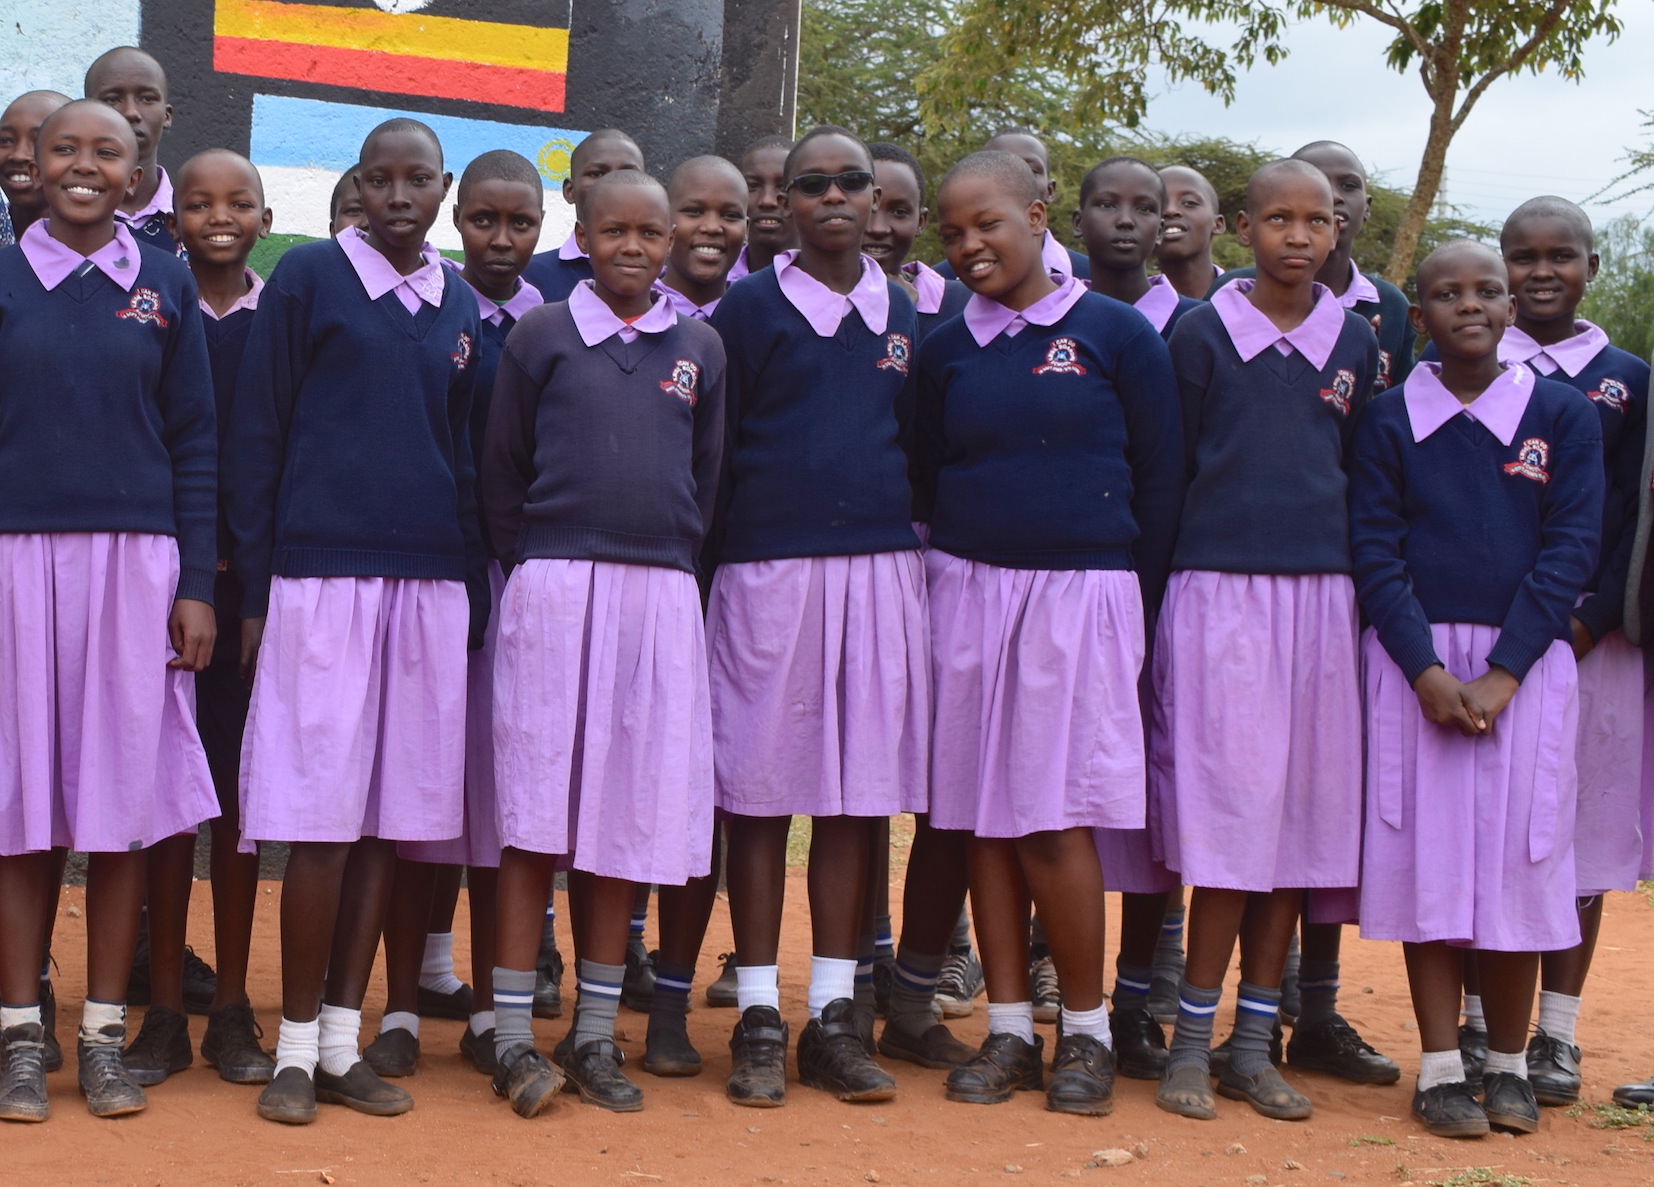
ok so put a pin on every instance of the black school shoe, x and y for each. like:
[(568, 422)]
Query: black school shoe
[(1333, 1046), (527, 1079), (548, 984), (393, 1053), (23, 1080), (1553, 1070), (935, 1047), (1139, 1043), (161, 1048), (1638, 1095), (1451, 1111), (232, 1045), (637, 987), (593, 1070), (1277, 1050), (1006, 1064), (722, 992), (1473, 1054), (361, 1089), (758, 1059), (455, 1006), (53, 1060), (1510, 1104), (1082, 1078), (289, 1097), (832, 1056), (479, 1049), (109, 1089), (667, 1050)]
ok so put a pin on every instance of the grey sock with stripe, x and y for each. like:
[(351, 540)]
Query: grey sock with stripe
[(598, 1005), (1192, 1037), (513, 1009), (1256, 1010)]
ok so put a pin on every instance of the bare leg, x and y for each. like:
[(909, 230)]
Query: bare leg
[(170, 872), (309, 916), (1066, 884), (366, 894), (756, 872), (115, 884), (839, 847), (409, 917)]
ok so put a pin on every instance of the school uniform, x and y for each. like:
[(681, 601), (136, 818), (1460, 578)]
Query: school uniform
[(938, 297), (555, 273), (1054, 453), (107, 510), (1470, 840), (683, 306), (149, 225), (1164, 306), (1059, 261), (479, 843), (600, 474), (816, 620), (1255, 740), (351, 496)]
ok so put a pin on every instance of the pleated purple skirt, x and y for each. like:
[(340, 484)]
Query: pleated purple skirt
[(98, 746), (357, 726), (602, 719), (1255, 742), (1471, 840), (1608, 840), (1037, 726), (820, 673), (1129, 864)]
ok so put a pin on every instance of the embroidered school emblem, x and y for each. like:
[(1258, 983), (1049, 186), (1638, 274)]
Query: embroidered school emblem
[(686, 377), (897, 349), (1531, 460), (1612, 393), (1342, 391), (144, 308), (1382, 383), (462, 356), (1062, 357)]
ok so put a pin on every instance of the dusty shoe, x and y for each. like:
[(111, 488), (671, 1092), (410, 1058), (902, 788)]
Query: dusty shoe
[(548, 984), (934, 1048), (833, 1057), (1082, 1077), (1042, 978), (290, 1098), (1510, 1103), (527, 1079), (161, 1048), (758, 1059), (361, 1089), (1451, 1111), (1139, 1043), (668, 1051), (959, 983), (1005, 1065), (1188, 1093), (721, 993), (1332, 1046), (455, 1006), (637, 987), (1553, 1070), (23, 1073), (1222, 1052), (109, 1089), (1266, 1092), (394, 1053), (1473, 1054), (479, 1050), (232, 1045), (593, 1070), (48, 1024)]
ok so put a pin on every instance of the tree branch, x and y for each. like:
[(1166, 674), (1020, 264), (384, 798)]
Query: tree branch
[(1547, 26)]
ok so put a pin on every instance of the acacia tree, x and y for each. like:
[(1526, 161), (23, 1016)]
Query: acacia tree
[(1459, 47)]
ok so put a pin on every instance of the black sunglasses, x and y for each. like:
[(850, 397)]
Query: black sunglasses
[(814, 185)]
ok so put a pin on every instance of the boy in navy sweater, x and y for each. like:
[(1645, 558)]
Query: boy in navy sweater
[(1120, 217), (607, 150), (133, 83)]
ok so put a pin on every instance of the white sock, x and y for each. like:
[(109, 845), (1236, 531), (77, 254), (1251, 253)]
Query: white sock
[(296, 1046), (1557, 1014), (1499, 1061), (437, 971), (1440, 1067), (757, 985), (95, 1016), (1473, 1012), (1012, 1018), (11, 1016), (482, 1022), (400, 1020), (338, 1032), (1088, 1022), (830, 979)]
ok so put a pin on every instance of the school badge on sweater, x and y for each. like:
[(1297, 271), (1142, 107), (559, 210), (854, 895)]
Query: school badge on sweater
[(1531, 460), (144, 308), (1062, 357), (897, 350), (686, 377)]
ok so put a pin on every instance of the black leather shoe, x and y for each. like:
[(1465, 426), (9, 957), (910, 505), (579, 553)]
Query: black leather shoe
[(394, 1053), (1631, 1096), (721, 992), (455, 1006), (935, 1047), (832, 1056), (758, 1059), (593, 1070), (1510, 1103), (1473, 1054), (637, 986), (1333, 1046), (479, 1050), (361, 1089), (526, 1079), (1451, 1111), (1139, 1043), (161, 1048), (1082, 1077), (1006, 1064), (548, 983), (290, 1098), (200, 984), (668, 1051), (1553, 1070)]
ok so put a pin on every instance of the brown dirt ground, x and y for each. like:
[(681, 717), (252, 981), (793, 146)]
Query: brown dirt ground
[(199, 1130)]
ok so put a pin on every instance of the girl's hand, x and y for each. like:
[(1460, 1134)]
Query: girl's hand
[(1583, 642), (1493, 691), (1444, 701), (193, 630), (252, 635)]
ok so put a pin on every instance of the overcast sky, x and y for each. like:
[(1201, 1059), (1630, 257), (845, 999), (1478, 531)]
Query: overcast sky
[(1527, 135)]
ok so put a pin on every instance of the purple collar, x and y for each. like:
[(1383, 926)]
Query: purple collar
[(424, 283), (823, 308), (54, 262), (684, 306), (571, 249), (525, 298), (161, 203), (1055, 256), (987, 319), (1572, 354), (249, 300), (1159, 303), (930, 284), (741, 267), (1361, 289), (598, 323), (1500, 407), (1253, 333)]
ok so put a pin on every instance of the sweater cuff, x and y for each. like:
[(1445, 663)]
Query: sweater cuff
[(1516, 655), (1414, 655), (1601, 614), (255, 595), (196, 585)]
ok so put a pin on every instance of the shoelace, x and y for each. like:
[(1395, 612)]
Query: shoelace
[(1045, 979), (950, 981), (25, 1060), (101, 1064), (241, 1023)]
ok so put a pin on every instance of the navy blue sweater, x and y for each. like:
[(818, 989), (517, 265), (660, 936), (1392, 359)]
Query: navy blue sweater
[(106, 409), (815, 462), (1397, 341), (349, 454), (955, 296), (1038, 467), (554, 277), (608, 452), (154, 232), (1265, 443), (226, 343), (1459, 528)]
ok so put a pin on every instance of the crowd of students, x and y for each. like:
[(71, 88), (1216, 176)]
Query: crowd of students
[(615, 558)]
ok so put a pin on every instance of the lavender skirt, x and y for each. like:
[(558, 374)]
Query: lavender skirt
[(479, 844), (1038, 726), (1129, 862), (602, 720), (821, 685), (1255, 742), (1471, 840), (357, 726), (1647, 809), (98, 746), (1608, 840)]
